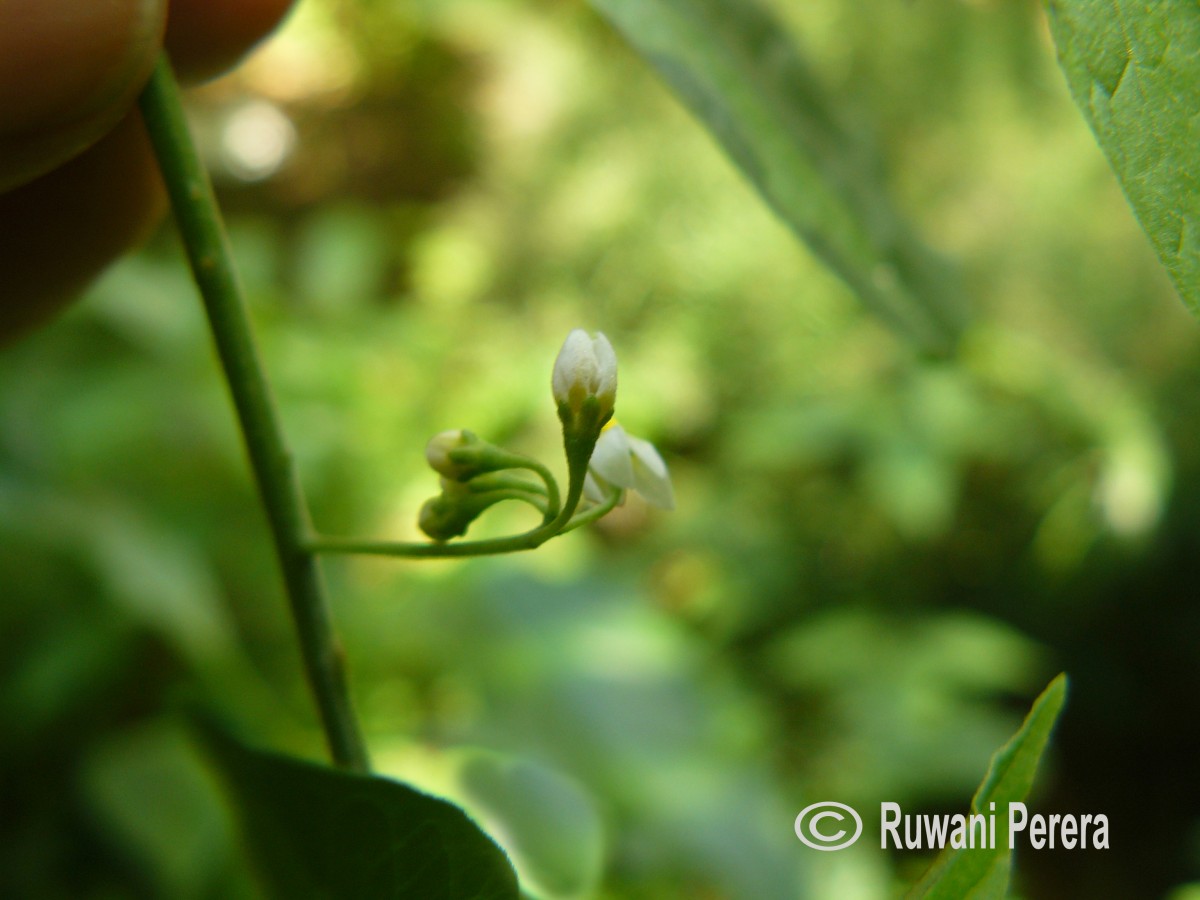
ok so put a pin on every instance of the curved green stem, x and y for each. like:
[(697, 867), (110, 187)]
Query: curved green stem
[(578, 449), (529, 540), (501, 481), (320, 543), (577, 459), (203, 235), (551, 509), (599, 511), (552, 499), (497, 495)]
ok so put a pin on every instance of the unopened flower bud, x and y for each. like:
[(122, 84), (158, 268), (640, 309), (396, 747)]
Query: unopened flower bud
[(586, 368), (439, 452), (442, 518), (461, 455), (450, 513)]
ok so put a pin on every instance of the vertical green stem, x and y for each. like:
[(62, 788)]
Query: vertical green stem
[(203, 234)]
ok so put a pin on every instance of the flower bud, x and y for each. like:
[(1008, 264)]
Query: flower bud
[(586, 368), (439, 454), (443, 517), (462, 455), (450, 513)]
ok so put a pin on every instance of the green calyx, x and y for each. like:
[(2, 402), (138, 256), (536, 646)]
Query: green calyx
[(582, 423), (462, 456), (450, 513)]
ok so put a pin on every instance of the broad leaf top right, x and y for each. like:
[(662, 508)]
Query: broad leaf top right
[(1134, 70)]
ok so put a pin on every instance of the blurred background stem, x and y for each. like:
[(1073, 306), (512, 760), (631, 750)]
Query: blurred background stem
[(204, 238)]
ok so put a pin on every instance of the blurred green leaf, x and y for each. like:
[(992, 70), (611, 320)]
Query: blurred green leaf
[(983, 872), (159, 806), (341, 258), (742, 77), (1134, 70), (57, 672), (159, 578), (913, 698), (320, 832), (545, 820)]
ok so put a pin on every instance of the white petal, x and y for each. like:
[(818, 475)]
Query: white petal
[(612, 458), (574, 365), (651, 478), (648, 454), (592, 489), (599, 491), (606, 369)]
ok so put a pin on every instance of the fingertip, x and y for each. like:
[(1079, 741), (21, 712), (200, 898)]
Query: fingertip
[(207, 37), (60, 231), (68, 71)]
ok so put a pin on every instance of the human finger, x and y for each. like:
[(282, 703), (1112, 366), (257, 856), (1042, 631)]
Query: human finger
[(69, 71)]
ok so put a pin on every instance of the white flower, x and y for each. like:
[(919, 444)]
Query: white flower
[(586, 367), (623, 461)]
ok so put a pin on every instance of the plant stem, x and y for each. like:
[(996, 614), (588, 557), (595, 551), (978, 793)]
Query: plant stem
[(599, 511), (578, 448), (203, 235), (543, 473), (578, 454), (530, 540)]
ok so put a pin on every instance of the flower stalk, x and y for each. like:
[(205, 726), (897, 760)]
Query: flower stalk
[(203, 234)]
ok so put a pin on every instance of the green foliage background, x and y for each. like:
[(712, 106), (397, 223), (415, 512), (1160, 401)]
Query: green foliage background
[(876, 562)]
